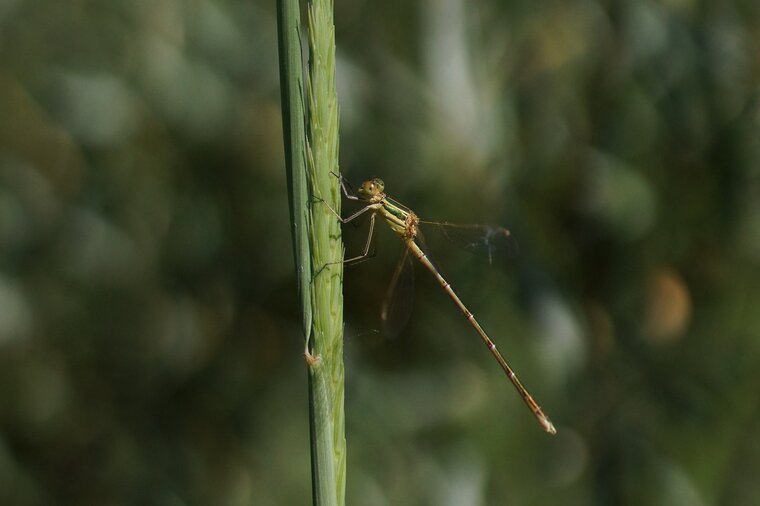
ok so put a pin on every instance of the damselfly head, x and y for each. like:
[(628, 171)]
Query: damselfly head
[(371, 188)]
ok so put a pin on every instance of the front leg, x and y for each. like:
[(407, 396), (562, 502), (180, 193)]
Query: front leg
[(345, 185)]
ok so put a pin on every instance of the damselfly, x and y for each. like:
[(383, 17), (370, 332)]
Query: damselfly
[(405, 224)]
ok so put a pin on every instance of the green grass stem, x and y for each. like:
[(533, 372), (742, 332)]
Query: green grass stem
[(311, 155)]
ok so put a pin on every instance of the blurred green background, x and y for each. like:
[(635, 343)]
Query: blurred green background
[(150, 351)]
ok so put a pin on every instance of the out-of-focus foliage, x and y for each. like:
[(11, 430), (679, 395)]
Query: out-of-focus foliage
[(149, 343)]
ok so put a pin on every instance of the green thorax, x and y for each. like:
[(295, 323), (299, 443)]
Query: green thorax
[(401, 220)]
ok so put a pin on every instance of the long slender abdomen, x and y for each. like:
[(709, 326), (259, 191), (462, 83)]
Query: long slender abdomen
[(531, 403)]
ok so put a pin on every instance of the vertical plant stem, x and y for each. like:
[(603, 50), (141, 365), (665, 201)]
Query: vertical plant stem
[(327, 254), (316, 233), (294, 133)]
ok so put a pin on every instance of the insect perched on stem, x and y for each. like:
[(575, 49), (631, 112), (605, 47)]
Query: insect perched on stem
[(405, 224)]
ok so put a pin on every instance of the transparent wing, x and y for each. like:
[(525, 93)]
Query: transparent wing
[(397, 306), (488, 240)]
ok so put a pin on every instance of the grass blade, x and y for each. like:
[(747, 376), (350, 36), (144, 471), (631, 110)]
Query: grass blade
[(316, 233)]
